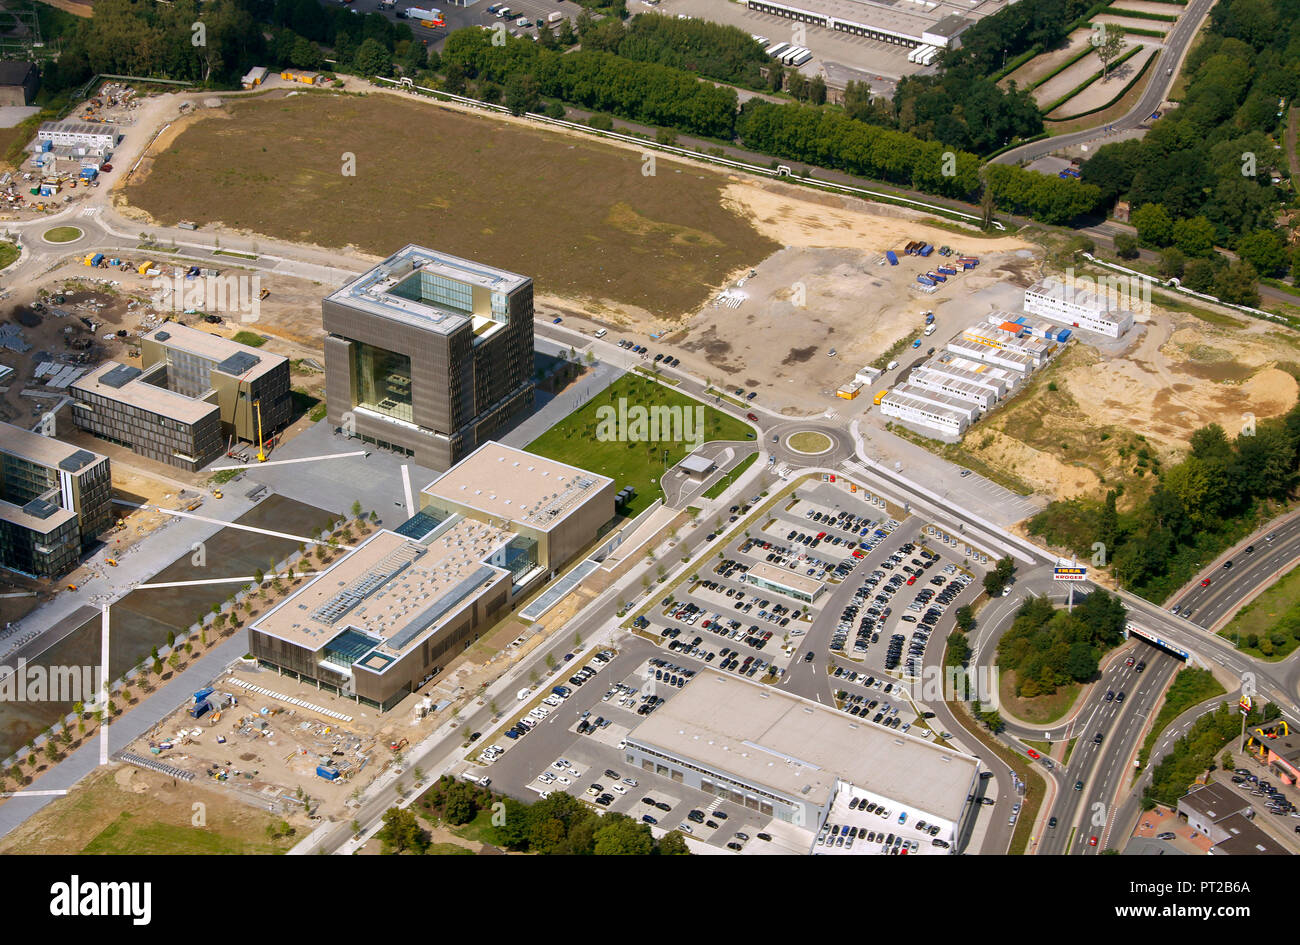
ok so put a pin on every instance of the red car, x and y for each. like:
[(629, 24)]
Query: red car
[(1205, 583), (911, 579), (1033, 754), (1129, 661), (1092, 841), (751, 418)]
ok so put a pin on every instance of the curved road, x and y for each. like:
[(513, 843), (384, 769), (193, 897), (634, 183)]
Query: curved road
[(1164, 72)]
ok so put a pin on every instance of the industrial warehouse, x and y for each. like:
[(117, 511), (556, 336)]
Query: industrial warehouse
[(803, 762), (922, 26), (390, 615)]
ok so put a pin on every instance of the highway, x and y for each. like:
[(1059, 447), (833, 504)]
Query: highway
[(1275, 549)]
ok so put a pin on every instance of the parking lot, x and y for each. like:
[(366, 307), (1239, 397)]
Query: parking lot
[(573, 743)]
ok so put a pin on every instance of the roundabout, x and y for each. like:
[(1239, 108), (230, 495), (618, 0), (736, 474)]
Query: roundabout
[(809, 443), (62, 234)]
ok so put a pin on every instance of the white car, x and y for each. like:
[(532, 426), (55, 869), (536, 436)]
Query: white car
[(560, 765), (618, 789), (573, 771), (563, 780)]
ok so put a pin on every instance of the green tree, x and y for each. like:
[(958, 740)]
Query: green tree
[(619, 835), (373, 59), (1171, 263), (1194, 236), (401, 832), (1126, 246), (1154, 226)]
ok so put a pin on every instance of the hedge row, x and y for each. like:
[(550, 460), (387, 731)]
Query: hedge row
[(1087, 82), (1062, 67), (1143, 15), (1124, 91)]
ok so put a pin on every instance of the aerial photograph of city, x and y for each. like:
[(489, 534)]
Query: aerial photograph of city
[(649, 427)]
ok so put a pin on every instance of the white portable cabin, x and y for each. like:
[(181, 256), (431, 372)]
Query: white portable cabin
[(788, 58), (777, 48), (803, 56)]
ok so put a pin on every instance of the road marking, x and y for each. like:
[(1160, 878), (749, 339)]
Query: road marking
[(286, 462), (225, 524), (34, 794), (406, 487)]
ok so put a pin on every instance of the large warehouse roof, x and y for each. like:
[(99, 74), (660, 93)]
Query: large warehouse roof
[(800, 748)]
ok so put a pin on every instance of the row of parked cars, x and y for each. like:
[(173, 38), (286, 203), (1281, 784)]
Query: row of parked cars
[(1278, 803), (791, 558)]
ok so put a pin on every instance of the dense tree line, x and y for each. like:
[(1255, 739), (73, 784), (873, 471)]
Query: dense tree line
[(1198, 507), (1202, 175), (965, 110), (638, 91), (556, 825), (1194, 753), (709, 49), (1048, 648), (995, 40), (216, 42)]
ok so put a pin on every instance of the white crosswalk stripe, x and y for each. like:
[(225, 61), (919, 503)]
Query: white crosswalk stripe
[(90, 211)]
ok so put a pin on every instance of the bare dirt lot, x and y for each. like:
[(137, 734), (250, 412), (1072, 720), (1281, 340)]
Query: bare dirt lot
[(580, 217), (1110, 417), (120, 809), (826, 290), (1041, 65)]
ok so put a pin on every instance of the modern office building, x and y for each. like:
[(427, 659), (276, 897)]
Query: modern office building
[(429, 355), (794, 759), (196, 394), (56, 500), (1102, 312), (386, 618)]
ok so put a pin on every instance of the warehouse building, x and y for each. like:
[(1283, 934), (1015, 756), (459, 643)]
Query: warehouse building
[(1078, 307), (997, 381), (429, 355), (195, 394), (56, 500), (390, 615), (795, 759), (18, 83), (937, 24), (922, 414), (783, 581)]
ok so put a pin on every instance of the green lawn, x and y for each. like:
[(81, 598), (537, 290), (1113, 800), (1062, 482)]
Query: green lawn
[(62, 234), (589, 437), (721, 485), (130, 835), (1272, 616), (8, 253), (250, 339), (1189, 687)]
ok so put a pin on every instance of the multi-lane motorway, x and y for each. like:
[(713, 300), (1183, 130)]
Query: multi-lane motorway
[(1256, 563)]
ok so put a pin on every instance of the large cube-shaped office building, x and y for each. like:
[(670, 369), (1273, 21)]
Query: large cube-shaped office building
[(429, 355)]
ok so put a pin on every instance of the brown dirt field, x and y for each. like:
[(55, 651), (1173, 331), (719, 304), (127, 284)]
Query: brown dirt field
[(1182, 374), (578, 216), (157, 815)]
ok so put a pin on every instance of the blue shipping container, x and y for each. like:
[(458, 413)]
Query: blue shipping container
[(927, 249), (892, 257), (328, 773), (936, 277), (1063, 335), (925, 280)]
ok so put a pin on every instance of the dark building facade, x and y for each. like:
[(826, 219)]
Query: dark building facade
[(55, 499), (429, 355)]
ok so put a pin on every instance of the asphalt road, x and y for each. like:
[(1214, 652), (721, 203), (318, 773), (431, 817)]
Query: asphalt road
[(1276, 549), (1163, 73)]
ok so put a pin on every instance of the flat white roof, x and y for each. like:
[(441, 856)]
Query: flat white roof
[(800, 748)]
